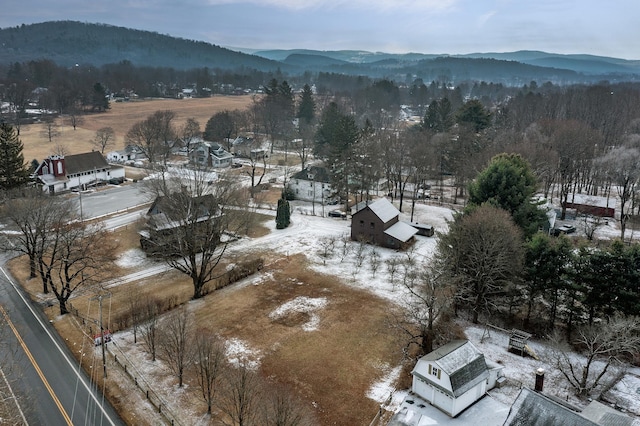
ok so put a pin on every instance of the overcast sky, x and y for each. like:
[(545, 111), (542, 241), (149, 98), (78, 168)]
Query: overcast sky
[(599, 27)]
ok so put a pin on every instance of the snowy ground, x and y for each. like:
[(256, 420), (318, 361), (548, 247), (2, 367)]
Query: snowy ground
[(309, 233)]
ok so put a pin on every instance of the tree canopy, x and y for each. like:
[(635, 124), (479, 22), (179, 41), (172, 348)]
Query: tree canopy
[(13, 171), (482, 256), (508, 183)]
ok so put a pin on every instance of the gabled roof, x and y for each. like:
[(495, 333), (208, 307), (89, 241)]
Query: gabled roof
[(535, 409), (77, 163), (460, 360), (383, 209), (401, 231), (313, 173)]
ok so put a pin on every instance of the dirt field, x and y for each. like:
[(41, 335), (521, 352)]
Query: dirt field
[(121, 117), (329, 367)]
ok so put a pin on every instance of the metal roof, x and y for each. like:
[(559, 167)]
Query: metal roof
[(401, 231), (383, 209)]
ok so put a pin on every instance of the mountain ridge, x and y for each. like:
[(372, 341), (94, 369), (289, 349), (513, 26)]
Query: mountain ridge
[(68, 43)]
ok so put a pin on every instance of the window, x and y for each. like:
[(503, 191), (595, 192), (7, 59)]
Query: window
[(362, 224), (434, 371), (372, 225)]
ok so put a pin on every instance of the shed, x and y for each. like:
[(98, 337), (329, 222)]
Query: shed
[(453, 377), (425, 230), (592, 204)]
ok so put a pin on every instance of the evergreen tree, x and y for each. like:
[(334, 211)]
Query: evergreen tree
[(336, 139), (283, 214), (307, 106), (509, 183), (475, 115), (99, 100), (13, 171)]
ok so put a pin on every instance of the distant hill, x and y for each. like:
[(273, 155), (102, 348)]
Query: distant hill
[(68, 43), (590, 65)]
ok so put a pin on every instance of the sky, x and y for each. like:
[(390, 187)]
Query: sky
[(598, 27)]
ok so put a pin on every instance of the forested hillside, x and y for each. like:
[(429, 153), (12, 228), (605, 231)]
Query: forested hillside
[(68, 43)]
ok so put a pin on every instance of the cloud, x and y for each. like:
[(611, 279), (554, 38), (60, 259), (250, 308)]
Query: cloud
[(482, 19), (380, 5)]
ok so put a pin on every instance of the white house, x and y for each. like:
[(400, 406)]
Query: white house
[(60, 173), (311, 184), (453, 377), (210, 154), (129, 154)]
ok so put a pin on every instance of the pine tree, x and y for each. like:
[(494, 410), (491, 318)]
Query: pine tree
[(283, 215), (13, 171), (307, 106)]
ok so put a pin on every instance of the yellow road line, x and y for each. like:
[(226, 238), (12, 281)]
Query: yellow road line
[(37, 368)]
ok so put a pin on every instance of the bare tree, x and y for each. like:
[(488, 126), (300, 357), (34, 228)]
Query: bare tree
[(175, 339), (430, 297), (51, 129), (105, 138), (622, 165), (481, 254), (603, 346), (136, 312), (209, 363), (327, 246), (197, 222), (392, 270), (77, 257), (591, 224), (189, 133), (150, 327), (374, 262), (282, 409), (32, 216), (257, 163), (155, 136), (242, 397), (74, 118)]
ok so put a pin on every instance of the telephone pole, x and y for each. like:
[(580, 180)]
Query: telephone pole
[(103, 343)]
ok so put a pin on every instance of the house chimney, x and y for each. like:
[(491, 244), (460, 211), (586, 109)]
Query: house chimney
[(539, 380)]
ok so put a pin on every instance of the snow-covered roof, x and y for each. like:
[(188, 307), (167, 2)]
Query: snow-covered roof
[(384, 209), (592, 200), (535, 409), (401, 231), (460, 360)]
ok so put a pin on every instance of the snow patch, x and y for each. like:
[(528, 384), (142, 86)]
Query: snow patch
[(384, 388), (240, 355), (302, 304), (131, 258)]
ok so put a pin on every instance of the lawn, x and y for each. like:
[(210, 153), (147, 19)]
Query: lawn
[(121, 116)]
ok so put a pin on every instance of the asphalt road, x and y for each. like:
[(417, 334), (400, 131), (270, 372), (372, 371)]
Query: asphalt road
[(51, 388)]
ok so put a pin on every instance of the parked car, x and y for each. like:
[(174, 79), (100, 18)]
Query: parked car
[(564, 229), (338, 213)]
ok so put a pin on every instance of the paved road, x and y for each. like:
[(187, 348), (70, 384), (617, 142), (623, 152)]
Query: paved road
[(51, 388)]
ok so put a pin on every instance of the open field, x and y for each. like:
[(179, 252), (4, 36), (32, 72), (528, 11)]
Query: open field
[(121, 117), (329, 365)]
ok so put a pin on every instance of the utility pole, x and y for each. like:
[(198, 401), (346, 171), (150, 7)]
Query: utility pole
[(102, 340)]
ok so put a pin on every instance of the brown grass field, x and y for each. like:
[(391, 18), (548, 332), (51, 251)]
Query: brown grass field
[(330, 368), (121, 116)]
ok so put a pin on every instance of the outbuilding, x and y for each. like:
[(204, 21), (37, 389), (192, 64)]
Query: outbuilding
[(453, 377)]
